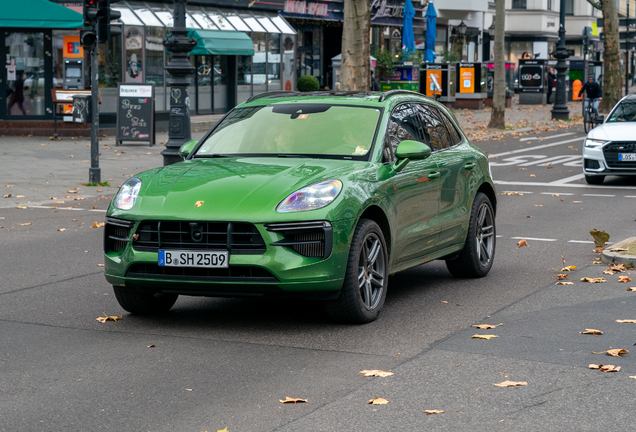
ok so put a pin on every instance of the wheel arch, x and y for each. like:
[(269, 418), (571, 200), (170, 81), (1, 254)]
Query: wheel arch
[(376, 214), (487, 189)]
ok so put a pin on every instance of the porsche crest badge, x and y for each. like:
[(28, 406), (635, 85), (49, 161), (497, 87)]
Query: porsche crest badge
[(198, 204)]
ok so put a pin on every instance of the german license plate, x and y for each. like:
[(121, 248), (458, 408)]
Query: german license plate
[(627, 157), (182, 258)]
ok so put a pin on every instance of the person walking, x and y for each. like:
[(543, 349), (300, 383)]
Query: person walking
[(550, 81), (17, 97), (593, 93), (375, 84)]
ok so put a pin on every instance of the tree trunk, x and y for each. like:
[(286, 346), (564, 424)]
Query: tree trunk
[(497, 116), (356, 50), (612, 87)]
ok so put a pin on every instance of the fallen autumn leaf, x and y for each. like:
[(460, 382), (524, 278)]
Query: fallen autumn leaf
[(511, 384), (593, 280), (376, 373), (292, 400), (623, 279), (616, 352), (522, 243), (429, 412), (487, 337), (108, 318), (378, 401), (592, 332), (626, 321)]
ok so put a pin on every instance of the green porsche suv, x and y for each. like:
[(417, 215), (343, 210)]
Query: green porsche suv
[(320, 195)]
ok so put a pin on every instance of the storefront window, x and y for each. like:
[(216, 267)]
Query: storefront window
[(133, 49), (259, 65), (109, 62), (220, 83), (520, 50), (24, 73), (154, 64), (273, 62), (244, 78), (66, 46)]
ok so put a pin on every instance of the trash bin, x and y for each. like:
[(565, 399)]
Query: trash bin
[(81, 109)]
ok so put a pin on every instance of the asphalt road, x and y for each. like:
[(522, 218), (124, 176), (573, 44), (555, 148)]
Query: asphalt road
[(220, 363)]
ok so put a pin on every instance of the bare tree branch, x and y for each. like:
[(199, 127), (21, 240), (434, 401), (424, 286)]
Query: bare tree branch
[(595, 4)]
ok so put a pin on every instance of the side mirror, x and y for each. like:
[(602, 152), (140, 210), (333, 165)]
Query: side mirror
[(410, 150), (186, 149)]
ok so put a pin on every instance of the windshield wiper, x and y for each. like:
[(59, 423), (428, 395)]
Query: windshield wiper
[(290, 156)]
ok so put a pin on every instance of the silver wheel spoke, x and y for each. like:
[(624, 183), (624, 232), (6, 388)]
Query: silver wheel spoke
[(485, 250), (361, 276), (488, 234), (374, 251), (376, 282), (481, 216), (367, 294)]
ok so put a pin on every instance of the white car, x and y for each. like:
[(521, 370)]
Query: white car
[(610, 148)]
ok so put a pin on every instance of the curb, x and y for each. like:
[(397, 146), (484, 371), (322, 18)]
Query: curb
[(620, 257), (526, 129)]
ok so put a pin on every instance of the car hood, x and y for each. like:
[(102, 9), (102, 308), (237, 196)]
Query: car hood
[(235, 188), (616, 131)]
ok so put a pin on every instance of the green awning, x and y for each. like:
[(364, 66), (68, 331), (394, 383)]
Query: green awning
[(221, 42), (38, 14)]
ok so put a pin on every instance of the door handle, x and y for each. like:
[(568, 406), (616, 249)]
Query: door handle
[(469, 165), (434, 175)]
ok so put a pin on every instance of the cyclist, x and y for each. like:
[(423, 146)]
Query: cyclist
[(593, 94)]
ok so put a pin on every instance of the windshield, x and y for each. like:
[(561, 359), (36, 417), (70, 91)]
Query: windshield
[(624, 112), (316, 130)]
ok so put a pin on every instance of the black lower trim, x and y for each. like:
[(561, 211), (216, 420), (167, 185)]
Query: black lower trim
[(247, 274)]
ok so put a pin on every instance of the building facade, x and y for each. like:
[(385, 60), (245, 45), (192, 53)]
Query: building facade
[(256, 54)]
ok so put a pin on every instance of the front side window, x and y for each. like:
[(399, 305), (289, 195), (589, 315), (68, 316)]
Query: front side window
[(403, 125), (316, 130)]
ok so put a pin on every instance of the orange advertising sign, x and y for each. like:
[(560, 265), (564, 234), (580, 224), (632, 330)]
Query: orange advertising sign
[(466, 80), (72, 47), (433, 76), (68, 108)]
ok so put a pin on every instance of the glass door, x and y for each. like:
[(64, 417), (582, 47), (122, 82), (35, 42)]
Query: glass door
[(204, 79), (24, 77)]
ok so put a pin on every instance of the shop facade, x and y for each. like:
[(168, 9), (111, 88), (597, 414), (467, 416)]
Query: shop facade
[(319, 25), (240, 52)]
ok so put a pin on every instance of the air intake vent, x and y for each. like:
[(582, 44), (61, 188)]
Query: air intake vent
[(309, 239), (116, 234)]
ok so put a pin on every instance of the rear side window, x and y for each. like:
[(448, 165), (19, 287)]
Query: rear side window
[(433, 121), (404, 124), (455, 137)]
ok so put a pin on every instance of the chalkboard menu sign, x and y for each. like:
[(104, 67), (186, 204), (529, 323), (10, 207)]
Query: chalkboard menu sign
[(135, 113)]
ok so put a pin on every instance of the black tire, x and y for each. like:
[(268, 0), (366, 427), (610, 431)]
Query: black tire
[(144, 303), (587, 121), (364, 289), (476, 259), (594, 180)]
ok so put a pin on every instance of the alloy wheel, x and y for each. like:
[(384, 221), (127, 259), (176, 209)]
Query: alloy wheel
[(485, 237), (371, 271)]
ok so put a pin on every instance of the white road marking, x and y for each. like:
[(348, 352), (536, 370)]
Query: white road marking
[(66, 208), (568, 179), (556, 193), (521, 192), (569, 185), (524, 160), (598, 195), (545, 138), (629, 196), (534, 239), (535, 148), (580, 241)]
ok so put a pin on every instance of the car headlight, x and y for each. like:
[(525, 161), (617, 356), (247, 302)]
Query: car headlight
[(594, 142), (127, 195), (312, 197)]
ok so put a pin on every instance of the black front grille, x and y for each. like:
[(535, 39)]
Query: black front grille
[(230, 274), (116, 234), (309, 239), (612, 150), (236, 237)]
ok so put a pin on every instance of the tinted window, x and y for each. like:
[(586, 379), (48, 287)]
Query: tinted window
[(455, 138), (435, 127), (403, 125)]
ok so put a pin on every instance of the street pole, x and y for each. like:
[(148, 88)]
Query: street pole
[(179, 69), (94, 172), (560, 110), (627, 53)]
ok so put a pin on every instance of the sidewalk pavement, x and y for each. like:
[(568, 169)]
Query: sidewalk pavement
[(519, 119)]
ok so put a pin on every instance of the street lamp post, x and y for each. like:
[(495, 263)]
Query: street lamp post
[(179, 68), (560, 110)]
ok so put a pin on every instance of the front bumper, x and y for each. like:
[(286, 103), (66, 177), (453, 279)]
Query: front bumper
[(595, 163), (279, 271)]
